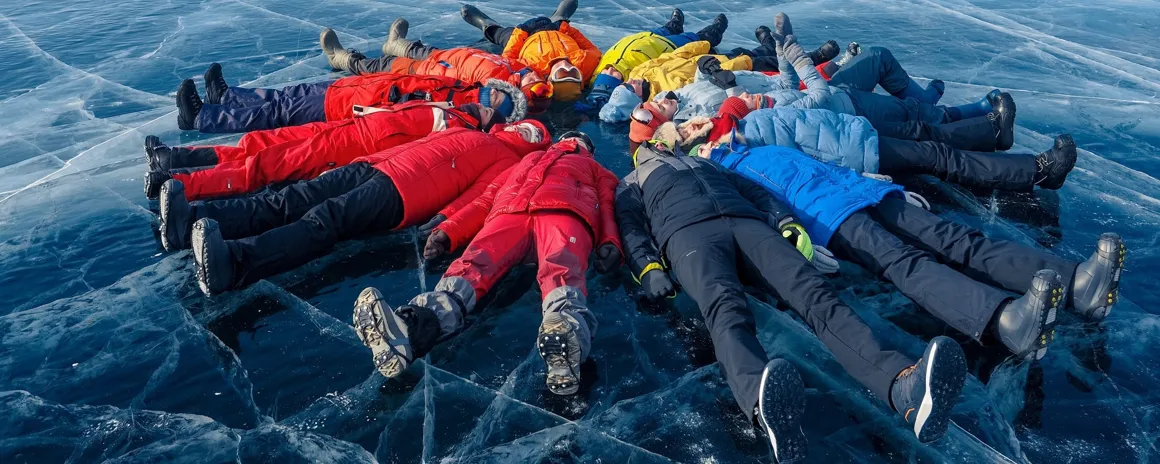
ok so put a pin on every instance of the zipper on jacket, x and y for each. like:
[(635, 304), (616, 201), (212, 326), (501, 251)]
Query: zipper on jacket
[(704, 186)]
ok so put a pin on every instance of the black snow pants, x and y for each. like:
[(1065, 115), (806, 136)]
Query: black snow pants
[(710, 259), (997, 170), (274, 232), (907, 245)]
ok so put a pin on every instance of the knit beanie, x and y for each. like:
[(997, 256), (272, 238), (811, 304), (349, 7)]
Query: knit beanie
[(515, 106)]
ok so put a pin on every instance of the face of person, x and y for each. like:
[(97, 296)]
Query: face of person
[(529, 78), (667, 107), (529, 132), (611, 71), (497, 98), (485, 115), (706, 149), (637, 87)]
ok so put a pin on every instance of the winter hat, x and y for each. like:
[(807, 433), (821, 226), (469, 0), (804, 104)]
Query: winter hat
[(639, 132), (517, 142), (693, 149), (602, 89), (516, 106), (587, 142)]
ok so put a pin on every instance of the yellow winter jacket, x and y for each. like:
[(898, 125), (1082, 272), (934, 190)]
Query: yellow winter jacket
[(631, 51), (674, 70)]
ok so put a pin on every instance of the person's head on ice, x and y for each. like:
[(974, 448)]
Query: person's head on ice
[(506, 100), (581, 140), (647, 117), (567, 80), (524, 136)]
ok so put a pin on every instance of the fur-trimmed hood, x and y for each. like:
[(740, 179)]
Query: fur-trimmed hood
[(517, 97), (697, 131)]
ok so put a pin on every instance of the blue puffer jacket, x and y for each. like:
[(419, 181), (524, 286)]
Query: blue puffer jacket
[(822, 196), (842, 139)]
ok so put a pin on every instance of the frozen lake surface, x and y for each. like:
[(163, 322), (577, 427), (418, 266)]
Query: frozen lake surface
[(109, 352)]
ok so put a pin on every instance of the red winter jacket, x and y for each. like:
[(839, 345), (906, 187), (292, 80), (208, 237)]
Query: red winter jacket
[(383, 89), (446, 170), (565, 177), (466, 64)]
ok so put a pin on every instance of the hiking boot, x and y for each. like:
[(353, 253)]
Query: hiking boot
[(213, 262), (188, 105), (1097, 280), (153, 182), (676, 24), (852, 50), (1026, 325), (782, 26), (397, 43), (175, 216), (215, 84), (926, 392), (339, 59), (715, 31), (1002, 116), (385, 331), (559, 346), (477, 18), (825, 53), (152, 142), (781, 404), (565, 10), (1053, 166)]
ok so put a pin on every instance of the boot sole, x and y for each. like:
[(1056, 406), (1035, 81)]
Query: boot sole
[(946, 370), (201, 255), (1051, 296), (1112, 295), (782, 404), (166, 212), (552, 343), (151, 142), (379, 329)]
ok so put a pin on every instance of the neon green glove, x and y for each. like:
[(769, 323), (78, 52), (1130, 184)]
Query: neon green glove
[(797, 236)]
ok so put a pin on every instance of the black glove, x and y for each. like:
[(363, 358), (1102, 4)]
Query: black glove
[(657, 285), (607, 258), (426, 229), (437, 244), (711, 66)]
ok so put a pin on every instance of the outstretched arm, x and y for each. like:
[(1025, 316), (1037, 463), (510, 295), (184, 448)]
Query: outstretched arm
[(468, 221), (632, 220), (606, 183)]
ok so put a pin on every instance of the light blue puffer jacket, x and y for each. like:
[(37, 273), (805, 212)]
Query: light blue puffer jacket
[(843, 139)]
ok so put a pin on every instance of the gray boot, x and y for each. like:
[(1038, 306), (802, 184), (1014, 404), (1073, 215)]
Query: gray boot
[(396, 336), (340, 59), (565, 338), (1097, 280), (477, 18), (565, 11), (397, 43)]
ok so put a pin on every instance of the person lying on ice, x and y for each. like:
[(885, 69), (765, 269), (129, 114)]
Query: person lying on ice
[(403, 56), (715, 230), (236, 109), (550, 46), (240, 240), (302, 152), (672, 71), (878, 226), (895, 149), (555, 207), (700, 82)]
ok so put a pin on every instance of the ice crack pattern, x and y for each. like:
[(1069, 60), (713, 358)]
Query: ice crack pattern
[(109, 353)]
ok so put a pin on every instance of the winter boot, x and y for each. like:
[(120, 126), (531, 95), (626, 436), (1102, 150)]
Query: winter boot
[(212, 258), (715, 31), (825, 53), (477, 18), (852, 50), (397, 43), (215, 84), (1003, 120), (676, 24), (1053, 166), (340, 59), (781, 404), (926, 392), (396, 337), (782, 26), (974, 110), (176, 216), (565, 11), (565, 338), (167, 158), (1097, 281), (151, 143), (153, 182), (1027, 325), (188, 105)]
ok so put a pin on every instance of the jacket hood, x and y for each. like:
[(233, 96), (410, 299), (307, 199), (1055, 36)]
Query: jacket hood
[(515, 95), (517, 142), (620, 105), (670, 132)]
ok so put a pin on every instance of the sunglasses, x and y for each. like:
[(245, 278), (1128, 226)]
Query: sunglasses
[(642, 115), (539, 89)]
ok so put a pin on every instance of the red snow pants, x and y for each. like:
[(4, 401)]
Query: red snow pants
[(560, 241)]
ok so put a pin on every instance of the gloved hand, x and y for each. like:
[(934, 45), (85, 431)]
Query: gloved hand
[(824, 260), (425, 229), (917, 200), (438, 244), (710, 66), (657, 285), (607, 258), (881, 177), (797, 236)]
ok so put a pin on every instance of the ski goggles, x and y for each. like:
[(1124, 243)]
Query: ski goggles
[(642, 115), (562, 74), (538, 90)]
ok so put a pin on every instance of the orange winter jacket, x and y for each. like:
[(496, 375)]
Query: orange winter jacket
[(466, 64), (543, 48)]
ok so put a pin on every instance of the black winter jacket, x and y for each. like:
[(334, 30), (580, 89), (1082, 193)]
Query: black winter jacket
[(667, 192)]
